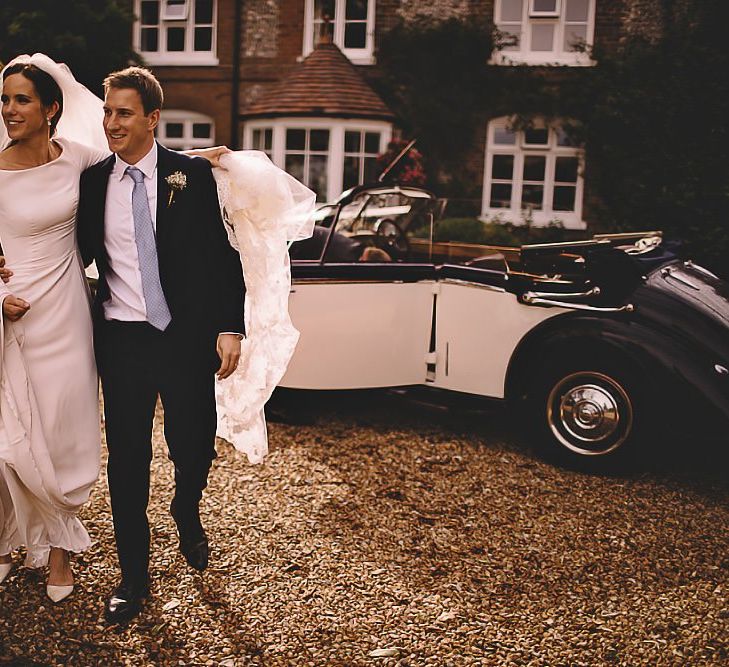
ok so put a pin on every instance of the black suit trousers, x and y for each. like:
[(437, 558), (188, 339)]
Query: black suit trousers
[(137, 363)]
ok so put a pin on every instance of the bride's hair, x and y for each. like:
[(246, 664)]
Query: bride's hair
[(45, 85)]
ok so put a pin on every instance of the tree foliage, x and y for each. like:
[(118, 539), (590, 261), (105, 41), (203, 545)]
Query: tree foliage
[(93, 37), (656, 131), (431, 83)]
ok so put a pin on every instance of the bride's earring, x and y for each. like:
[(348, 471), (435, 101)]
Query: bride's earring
[(49, 121)]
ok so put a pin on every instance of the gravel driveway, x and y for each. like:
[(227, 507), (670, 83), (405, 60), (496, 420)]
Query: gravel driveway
[(427, 537)]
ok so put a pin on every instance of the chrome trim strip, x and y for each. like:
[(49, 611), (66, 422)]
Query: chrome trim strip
[(352, 281), (700, 269), (668, 273), (593, 291), (618, 236), (627, 308), (468, 283)]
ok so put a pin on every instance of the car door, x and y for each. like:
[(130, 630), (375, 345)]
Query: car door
[(478, 326), (362, 325)]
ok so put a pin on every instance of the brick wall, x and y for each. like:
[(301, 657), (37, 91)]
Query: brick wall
[(609, 22), (271, 44), (260, 30), (206, 90), (438, 9), (645, 18)]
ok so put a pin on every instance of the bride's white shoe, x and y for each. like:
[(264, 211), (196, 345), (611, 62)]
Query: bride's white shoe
[(5, 570), (58, 593)]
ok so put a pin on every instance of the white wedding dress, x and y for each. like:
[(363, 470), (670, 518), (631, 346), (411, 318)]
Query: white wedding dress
[(50, 438)]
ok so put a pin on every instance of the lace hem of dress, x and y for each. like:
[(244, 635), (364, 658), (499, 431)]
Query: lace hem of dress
[(265, 209), (68, 534)]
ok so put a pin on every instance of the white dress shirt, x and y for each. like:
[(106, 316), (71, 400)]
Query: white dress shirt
[(123, 275)]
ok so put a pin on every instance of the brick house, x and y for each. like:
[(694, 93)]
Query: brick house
[(292, 78)]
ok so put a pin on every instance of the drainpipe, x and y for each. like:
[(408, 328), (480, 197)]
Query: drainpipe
[(235, 91)]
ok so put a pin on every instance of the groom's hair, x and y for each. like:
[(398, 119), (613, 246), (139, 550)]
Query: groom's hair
[(141, 80), (45, 86)]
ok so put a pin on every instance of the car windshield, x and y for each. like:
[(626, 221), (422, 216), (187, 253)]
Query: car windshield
[(392, 224)]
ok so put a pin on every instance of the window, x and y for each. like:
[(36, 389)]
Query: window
[(176, 32), (262, 140), (182, 130), (535, 173), (544, 32), (307, 158), (350, 24), (360, 157), (329, 155)]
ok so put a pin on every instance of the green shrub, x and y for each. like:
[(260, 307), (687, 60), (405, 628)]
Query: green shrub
[(473, 230)]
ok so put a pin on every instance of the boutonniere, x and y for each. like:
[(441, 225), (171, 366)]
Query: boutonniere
[(177, 183)]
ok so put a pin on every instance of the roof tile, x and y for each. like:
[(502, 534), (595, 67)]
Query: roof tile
[(325, 83)]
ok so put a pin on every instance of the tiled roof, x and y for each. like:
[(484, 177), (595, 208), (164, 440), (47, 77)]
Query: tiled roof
[(325, 83)]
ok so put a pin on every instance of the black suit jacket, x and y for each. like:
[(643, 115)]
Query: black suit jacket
[(200, 272)]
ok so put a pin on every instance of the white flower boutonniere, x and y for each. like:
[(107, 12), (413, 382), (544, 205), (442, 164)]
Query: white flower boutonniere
[(177, 182)]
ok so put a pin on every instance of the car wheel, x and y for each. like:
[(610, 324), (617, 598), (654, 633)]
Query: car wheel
[(589, 414)]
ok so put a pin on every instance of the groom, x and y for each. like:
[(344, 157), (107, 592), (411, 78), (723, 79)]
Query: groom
[(168, 315)]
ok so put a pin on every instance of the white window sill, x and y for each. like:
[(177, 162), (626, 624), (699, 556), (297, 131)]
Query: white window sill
[(539, 218), (180, 59), (513, 58)]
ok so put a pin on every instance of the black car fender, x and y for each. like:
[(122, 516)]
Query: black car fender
[(678, 373)]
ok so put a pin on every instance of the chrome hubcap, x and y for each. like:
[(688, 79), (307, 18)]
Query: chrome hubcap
[(590, 413)]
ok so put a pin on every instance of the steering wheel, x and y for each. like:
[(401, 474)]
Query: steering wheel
[(390, 238)]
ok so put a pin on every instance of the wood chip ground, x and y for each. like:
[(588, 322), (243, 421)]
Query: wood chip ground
[(392, 533)]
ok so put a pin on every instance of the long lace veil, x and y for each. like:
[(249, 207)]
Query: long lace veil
[(265, 210)]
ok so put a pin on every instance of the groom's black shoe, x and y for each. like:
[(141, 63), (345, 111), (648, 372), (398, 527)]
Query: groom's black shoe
[(125, 602), (193, 541)]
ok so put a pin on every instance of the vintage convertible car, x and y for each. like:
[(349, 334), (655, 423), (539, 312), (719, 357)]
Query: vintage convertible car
[(598, 344)]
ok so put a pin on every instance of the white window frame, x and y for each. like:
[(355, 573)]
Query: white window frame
[(516, 214), (523, 55), (187, 119), (250, 144), (186, 57), (361, 154), (336, 126), (167, 15), (365, 56), (536, 13)]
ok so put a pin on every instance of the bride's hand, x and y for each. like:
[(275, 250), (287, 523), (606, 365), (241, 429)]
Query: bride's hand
[(212, 155), (14, 308), (5, 272)]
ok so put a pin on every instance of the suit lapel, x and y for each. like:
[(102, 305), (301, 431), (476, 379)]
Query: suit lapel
[(100, 204), (164, 169)]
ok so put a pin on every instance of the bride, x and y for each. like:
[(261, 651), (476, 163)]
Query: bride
[(49, 420)]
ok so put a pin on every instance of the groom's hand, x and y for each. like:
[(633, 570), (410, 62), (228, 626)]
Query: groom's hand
[(228, 348), (14, 308)]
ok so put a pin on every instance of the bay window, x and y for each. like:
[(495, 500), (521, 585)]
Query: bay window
[(329, 155)]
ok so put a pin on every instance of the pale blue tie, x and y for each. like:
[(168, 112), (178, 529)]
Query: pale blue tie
[(158, 313)]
